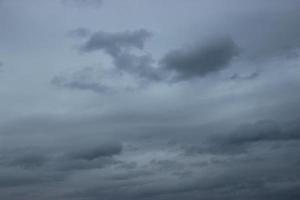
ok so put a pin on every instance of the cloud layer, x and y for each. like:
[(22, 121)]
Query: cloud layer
[(149, 100)]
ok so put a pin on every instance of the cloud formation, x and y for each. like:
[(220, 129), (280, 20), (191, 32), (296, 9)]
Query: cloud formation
[(119, 47), (178, 116), (177, 65), (239, 162)]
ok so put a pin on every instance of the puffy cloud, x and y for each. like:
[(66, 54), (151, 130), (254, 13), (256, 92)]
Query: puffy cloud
[(119, 46), (177, 65)]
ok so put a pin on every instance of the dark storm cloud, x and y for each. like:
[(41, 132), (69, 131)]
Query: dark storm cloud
[(201, 60), (115, 43)]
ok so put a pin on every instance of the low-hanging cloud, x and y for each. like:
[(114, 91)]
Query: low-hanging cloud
[(177, 65)]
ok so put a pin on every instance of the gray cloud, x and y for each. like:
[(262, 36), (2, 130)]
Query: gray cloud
[(118, 46), (267, 170), (200, 60), (140, 66), (230, 177), (155, 168), (187, 64), (194, 128), (115, 43)]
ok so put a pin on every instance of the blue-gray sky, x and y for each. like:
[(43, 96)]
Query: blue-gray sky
[(149, 99)]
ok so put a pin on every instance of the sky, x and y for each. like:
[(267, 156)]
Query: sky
[(149, 99)]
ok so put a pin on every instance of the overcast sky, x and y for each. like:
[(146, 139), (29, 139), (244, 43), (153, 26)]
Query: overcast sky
[(149, 99)]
